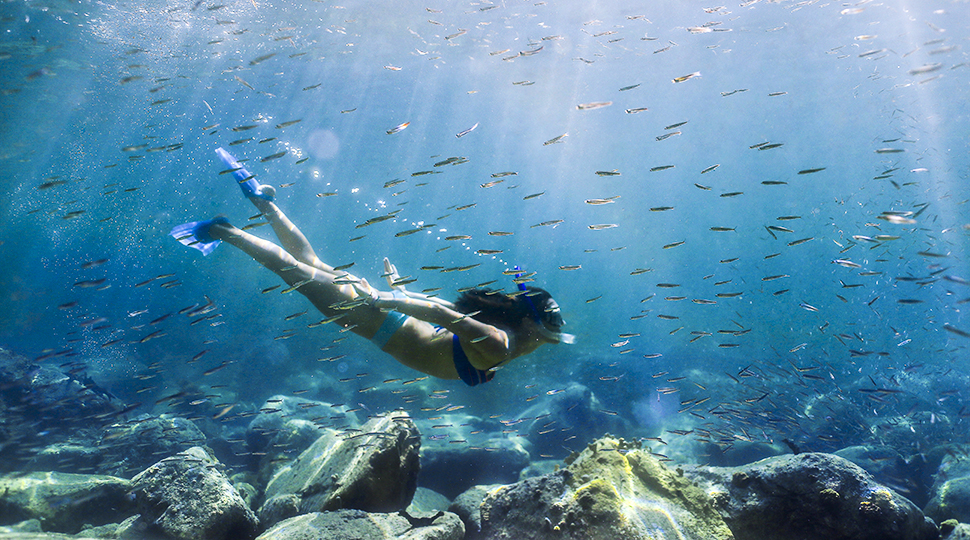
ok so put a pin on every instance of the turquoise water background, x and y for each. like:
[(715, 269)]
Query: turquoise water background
[(111, 113)]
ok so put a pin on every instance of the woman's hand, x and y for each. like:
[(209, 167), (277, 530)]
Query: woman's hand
[(390, 272), (376, 298)]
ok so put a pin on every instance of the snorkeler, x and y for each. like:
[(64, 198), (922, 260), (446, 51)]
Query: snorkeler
[(468, 339)]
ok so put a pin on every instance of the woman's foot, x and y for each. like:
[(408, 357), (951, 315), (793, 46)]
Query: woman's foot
[(247, 182), (196, 234)]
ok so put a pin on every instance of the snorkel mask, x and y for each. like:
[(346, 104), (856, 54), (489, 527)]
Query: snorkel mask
[(549, 319)]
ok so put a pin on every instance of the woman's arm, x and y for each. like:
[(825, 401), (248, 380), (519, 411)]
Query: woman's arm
[(490, 344), (390, 272)]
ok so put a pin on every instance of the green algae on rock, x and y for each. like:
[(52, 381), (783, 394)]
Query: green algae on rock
[(951, 500), (607, 491), (64, 502)]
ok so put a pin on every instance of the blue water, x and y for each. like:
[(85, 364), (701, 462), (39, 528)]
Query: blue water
[(119, 108)]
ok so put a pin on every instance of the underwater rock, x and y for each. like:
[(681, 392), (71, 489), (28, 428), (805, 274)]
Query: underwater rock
[(278, 410), (64, 502), (132, 446), (374, 469), (426, 500), (539, 468), (26, 526), (561, 423), (43, 536), (228, 446), (292, 438), (246, 490), (187, 497), (67, 457), (950, 494), (468, 508), (359, 525), (40, 403), (953, 530), (951, 500), (122, 449), (889, 468), (286, 426), (817, 411), (954, 463), (810, 496), (293, 435), (30, 530), (278, 508), (610, 490), (450, 469), (741, 453), (130, 529)]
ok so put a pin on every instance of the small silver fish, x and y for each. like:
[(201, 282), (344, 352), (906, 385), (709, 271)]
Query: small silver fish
[(556, 139), (398, 128), (467, 131), (593, 105)]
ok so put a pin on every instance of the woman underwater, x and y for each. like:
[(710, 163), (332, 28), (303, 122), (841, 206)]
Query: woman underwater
[(467, 339)]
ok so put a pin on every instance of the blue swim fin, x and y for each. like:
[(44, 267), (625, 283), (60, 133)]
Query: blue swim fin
[(247, 181), (196, 234)]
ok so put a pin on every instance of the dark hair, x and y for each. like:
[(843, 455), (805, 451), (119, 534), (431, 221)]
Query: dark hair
[(499, 309)]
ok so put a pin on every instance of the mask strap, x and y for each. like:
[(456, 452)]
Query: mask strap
[(523, 288)]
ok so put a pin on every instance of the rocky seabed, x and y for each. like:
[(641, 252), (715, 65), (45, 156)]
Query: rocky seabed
[(363, 484)]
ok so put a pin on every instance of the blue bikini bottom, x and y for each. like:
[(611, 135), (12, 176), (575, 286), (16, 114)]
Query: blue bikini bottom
[(466, 371)]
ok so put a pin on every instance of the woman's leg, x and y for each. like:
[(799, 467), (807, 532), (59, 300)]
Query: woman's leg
[(289, 235), (316, 284)]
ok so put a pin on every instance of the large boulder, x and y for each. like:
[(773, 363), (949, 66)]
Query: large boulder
[(372, 469), (739, 453), (950, 495), (468, 508), (40, 402), (64, 502), (187, 497), (128, 448), (359, 525), (450, 468), (426, 500), (130, 529), (69, 456), (562, 423), (122, 449), (286, 426), (612, 489), (14, 535), (951, 500), (810, 496), (279, 410), (889, 468)]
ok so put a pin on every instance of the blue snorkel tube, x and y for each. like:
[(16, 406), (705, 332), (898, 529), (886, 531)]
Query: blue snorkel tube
[(559, 337)]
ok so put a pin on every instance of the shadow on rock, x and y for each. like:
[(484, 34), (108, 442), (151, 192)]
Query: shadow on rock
[(64, 502), (187, 497), (450, 468), (372, 469), (356, 524), (810, 496)]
